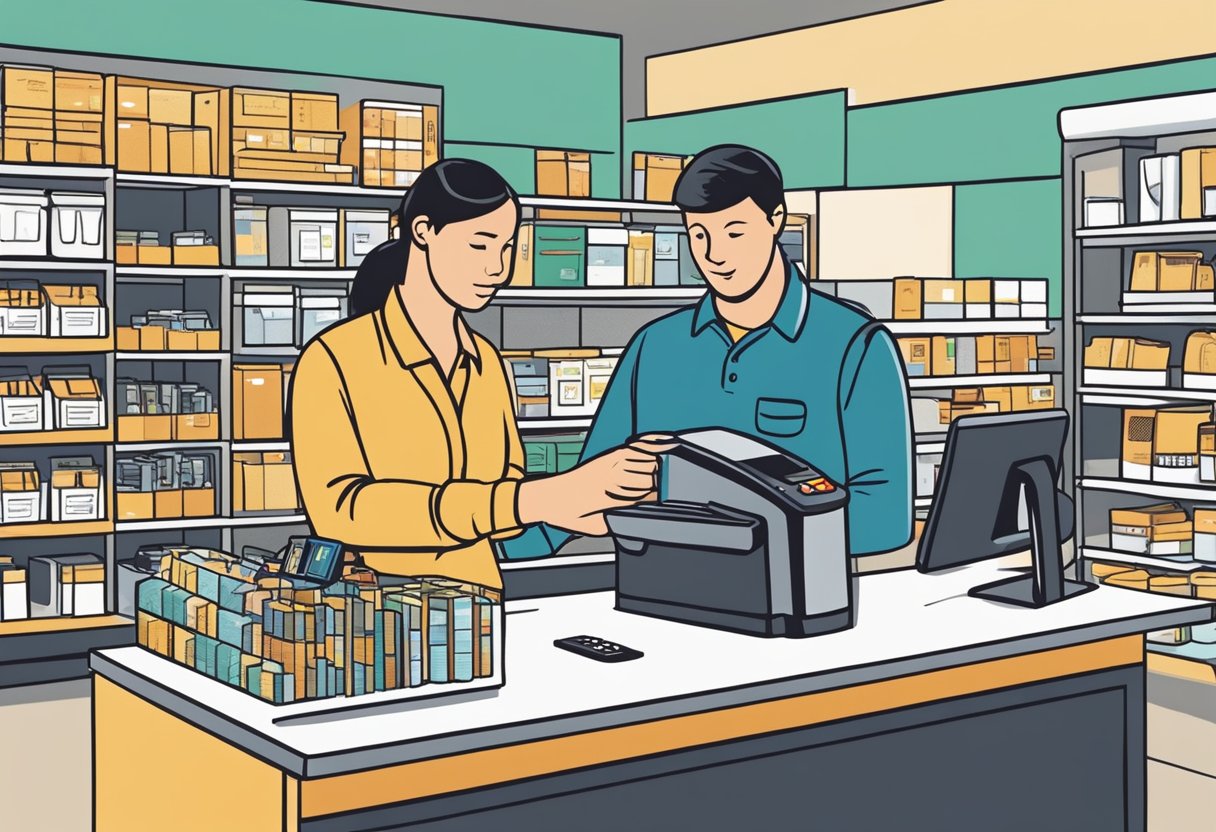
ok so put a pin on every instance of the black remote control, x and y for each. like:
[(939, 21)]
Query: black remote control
[(598, 649)]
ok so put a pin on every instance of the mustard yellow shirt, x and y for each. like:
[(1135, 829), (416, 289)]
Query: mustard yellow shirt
[(416, 472)]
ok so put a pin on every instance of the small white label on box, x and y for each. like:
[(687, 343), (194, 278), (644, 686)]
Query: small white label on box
[(607, 237)]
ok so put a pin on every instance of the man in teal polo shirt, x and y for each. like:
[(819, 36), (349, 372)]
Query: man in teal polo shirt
[(764, 354)]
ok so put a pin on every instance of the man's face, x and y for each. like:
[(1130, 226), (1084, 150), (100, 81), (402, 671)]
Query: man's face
[(733, 248)]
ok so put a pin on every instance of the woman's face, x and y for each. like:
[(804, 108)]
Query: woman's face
[(471, 260)]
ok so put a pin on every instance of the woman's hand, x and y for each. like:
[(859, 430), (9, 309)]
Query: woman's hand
[(576, 500)]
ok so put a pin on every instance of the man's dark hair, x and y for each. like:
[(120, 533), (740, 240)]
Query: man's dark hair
[(723, 176)]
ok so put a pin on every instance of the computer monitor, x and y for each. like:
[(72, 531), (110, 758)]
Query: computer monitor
[(992, 465)]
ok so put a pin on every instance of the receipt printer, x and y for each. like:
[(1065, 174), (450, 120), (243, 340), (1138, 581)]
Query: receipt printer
[(745, 538)]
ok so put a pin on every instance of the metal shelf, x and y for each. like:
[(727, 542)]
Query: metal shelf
[(50, 264), (994, 380), (57, 171), (170, 271), (1142, 396), (262, 185), (164, 180), (138, 447), (1135, 234), (1165, 490), (567, 423), (242, 446), (84, 436), (169, 355), (995, 326), (1152, 561), (39, 346), (1166, 313), (284, 273), (208, 522), (577, 295), (45, 528), (588, 204)]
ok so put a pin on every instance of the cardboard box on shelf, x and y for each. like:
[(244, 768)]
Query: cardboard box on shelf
[(63, 585), (141, 427), (132, 100), (639, 259), (167, 504), (155, 255), (20, 493), (908, 299), (134, 146), (170, 106), (942, 361), (314, 111), (21, 401), (158, 148), (943, 299), (1204, 523), (78, 154), (1162, 529), (74, 311), (1136, 460), (72, 398), (78, 92), (24, 150), (977, 298), (134, 505), (1126, 361), (1176, 444), (264, 482), (198, 502), (204, 255), (917, 355), (1199, 360), (1021, 397), (948, 411), (76, 492), (28, 86), (563, 173), (1167, 271), (181, 340), (257, 401), (261, 108), (1198, 175), (194, 427), (152, 338)]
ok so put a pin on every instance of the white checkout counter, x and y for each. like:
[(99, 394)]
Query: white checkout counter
[(958, 712)]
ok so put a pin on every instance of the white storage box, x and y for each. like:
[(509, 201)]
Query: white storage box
[(67, 585), (304, 237), (76, 490), (20, 401), (362, 232), (72, 399), (319, 309), (75, 312), (78, 223), (21, 493), (23, 223), (14, 593), (269, 316), (22, 309)]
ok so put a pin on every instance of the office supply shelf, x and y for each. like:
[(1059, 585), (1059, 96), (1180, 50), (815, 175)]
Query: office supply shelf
[(57, 171), (171, 355), (208, 522), (144, 447), (1139, 234), (1142, 396), (1163, 490), (51, 264), (1166, 313), (283, 273), (79, 436), (993, 326), (993, 380), (243, 446), (582, 295), (39, 346), (45, 528), (1182, 564), (169, 271), (533, 425)]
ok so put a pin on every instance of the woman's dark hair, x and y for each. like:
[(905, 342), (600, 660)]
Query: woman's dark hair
[(453, 190), (723, 176)]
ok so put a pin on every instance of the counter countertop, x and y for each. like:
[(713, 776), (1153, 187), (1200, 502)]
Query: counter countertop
[(907, 623)]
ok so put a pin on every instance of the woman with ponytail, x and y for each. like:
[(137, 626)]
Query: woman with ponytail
[(403, 432)]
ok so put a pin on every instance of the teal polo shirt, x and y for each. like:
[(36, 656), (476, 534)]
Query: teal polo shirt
[(821, 380)]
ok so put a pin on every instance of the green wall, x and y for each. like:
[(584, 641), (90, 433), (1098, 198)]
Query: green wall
[(805, 135), (1010, 229), (502, 83)]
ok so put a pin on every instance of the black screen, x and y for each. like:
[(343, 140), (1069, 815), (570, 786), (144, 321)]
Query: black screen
[(778, 467)]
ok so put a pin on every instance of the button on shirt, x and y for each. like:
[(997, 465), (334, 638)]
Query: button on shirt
[(821, 380)]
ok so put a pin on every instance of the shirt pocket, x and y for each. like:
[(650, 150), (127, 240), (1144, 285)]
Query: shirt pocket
[(780, 417)]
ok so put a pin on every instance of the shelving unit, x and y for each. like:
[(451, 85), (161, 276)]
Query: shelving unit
[(1097, 265), (994, 380)]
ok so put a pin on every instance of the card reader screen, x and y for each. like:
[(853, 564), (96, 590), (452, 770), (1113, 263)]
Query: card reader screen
[(779, 467), (320, 558)]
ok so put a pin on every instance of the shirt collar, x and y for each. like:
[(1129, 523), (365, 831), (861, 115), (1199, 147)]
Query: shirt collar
[(788, 319), (408, 345)]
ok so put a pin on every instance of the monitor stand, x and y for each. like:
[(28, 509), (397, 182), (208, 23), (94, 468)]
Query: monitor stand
[(1046, 583)]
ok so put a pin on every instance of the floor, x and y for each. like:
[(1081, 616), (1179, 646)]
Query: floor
[(45, 772)]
